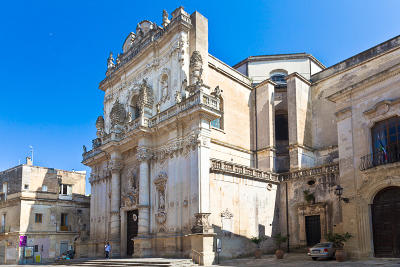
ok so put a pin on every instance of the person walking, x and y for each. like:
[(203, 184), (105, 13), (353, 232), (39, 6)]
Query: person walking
[(107, 249)]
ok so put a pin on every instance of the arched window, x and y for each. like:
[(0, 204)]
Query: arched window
[(278, 76), (386, 140), (219, 123)]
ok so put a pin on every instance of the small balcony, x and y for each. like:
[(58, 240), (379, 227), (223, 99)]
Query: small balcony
[(386, 155)]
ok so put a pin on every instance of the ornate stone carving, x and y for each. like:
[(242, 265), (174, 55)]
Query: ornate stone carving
[(116, 165), (130, 194), (146, 98), (100, 126), (196, 68), (160, 182), (201, 224), (185, 145), (217, 92), (117, 114), (227, 214), (143, 153), (128, 42), (165, 20)]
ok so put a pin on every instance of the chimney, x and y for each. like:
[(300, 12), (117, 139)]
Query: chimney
[(29, 161)]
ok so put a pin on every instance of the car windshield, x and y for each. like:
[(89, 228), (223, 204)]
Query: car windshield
[(323, 245)]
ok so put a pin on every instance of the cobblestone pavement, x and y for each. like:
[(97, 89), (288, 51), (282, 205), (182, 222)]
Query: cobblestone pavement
[(298, 260)]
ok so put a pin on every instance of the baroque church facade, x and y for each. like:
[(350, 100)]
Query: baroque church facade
[(190, 150)]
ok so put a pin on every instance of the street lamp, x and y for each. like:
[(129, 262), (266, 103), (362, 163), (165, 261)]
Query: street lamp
[(339, 193)]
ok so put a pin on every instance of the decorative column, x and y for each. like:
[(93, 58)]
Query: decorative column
[(142, 243), (115, 225)]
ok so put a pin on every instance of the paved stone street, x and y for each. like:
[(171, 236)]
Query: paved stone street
[(293, 259)]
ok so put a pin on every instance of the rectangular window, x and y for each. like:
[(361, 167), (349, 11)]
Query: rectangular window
[(38, 218), (44, 188), (36, 248), (65, 189), (64, 219), (26, 186)]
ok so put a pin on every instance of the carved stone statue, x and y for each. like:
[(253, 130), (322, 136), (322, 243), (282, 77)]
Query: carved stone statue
[(118, 60), (217, 92), (164, 87), (100, 126), (84, 149), (110, 61), (165, 20), (160, 183), (178, 97), (196, 68)]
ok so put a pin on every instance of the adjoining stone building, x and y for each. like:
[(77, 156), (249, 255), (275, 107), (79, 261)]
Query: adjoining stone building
[(44, 208), (190, 149)]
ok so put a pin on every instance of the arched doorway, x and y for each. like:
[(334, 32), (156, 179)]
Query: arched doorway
[(386, 222)]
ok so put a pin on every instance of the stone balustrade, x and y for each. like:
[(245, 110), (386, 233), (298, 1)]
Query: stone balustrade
[(242, 170), (310, 172)]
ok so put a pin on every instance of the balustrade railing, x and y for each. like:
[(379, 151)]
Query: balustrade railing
[(320, 170), (242, 170), (385, 155)]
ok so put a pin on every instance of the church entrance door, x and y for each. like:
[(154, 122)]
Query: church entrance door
[(386, 222), (132, 230), (313, 230)]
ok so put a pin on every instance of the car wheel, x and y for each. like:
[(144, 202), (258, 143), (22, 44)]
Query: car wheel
[(314, 258)]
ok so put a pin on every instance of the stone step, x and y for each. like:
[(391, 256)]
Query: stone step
[(130, 262)]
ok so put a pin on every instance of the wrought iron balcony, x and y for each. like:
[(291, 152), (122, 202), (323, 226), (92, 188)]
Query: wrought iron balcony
[(388, 154)]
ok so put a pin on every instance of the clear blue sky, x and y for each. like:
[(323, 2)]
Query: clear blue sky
[(54, 55)]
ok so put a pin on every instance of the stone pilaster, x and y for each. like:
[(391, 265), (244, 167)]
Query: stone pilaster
[(299, 122), (142, 243), (115, 225)]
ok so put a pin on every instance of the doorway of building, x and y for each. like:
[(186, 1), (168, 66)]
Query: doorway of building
[(313, 230), (132, 230), (386, 222)]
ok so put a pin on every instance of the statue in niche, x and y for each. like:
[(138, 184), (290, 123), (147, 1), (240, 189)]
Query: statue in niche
[(130, 196), (164, 87), (160, 183)]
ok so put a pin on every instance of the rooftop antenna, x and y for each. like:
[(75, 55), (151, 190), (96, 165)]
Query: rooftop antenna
[(31, 147)]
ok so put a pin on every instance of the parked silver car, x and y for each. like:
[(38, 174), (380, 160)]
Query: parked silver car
[(322, 250)]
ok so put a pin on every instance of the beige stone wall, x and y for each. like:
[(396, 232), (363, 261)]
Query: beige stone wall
[(354, 91), (242, 208)]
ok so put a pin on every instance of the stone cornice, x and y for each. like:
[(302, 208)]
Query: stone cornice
[(241, 149), (343, 113), (297, 75), (357, 60), (266, 81), (369, 81), (294, 146)]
